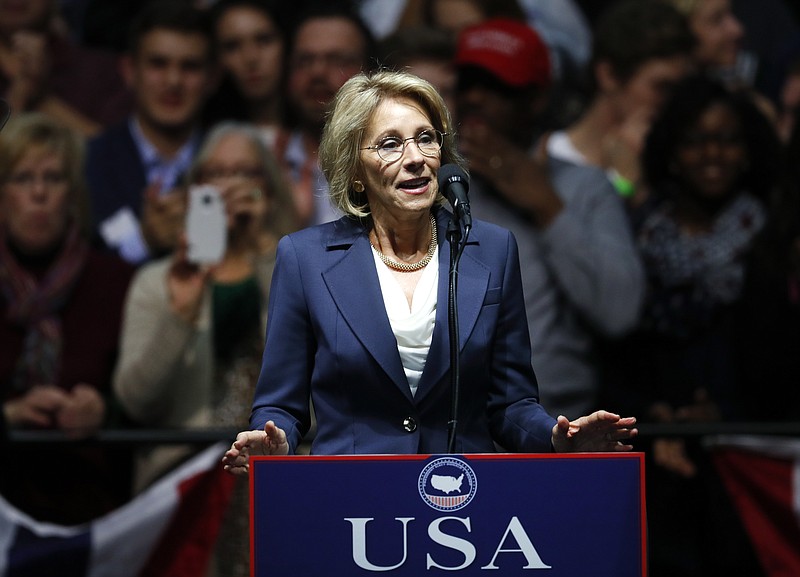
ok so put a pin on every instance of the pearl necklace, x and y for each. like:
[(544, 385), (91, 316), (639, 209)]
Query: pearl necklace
[(404, 267)]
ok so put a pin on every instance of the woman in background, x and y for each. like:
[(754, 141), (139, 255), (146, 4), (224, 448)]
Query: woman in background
[(710, 162), (60, 314), (193, 335), (250, 43)]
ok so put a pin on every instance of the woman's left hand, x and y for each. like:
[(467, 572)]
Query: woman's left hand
[(601, 431), (83, 412)]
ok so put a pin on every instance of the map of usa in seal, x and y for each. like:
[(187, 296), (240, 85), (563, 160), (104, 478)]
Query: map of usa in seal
[(447, 484)]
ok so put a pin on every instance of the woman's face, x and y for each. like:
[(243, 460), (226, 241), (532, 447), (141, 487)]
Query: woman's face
[(234, 166), (718, 33), (251, 50), (406, 187), (35, 200), (712, 155)]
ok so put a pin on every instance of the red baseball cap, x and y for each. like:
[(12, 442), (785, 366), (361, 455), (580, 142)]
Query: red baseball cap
[(510, 50)]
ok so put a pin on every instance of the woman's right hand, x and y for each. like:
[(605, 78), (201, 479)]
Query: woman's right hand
[(38, 407), (270, 441)]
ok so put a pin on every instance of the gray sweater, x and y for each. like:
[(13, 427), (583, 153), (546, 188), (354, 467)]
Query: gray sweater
[(164, 375), (582, 277)]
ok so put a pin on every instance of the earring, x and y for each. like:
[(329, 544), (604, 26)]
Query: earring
[(358, 186)]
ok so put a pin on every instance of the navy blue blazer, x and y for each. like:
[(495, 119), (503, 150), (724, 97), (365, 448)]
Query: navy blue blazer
[(329, 339)]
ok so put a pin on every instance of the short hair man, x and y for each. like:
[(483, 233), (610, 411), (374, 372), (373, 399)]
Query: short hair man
[(641, 50), (133, 166), (580, 270), (329, 45)]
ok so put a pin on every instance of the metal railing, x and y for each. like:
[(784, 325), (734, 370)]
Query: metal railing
[(208, 436)]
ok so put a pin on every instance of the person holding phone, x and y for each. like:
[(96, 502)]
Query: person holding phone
[(193, 331), (132, 167)]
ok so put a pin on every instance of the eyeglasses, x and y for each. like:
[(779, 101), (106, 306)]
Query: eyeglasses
[(27, 179), (391, 148)]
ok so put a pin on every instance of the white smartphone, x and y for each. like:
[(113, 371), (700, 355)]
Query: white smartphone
[(206, 226)]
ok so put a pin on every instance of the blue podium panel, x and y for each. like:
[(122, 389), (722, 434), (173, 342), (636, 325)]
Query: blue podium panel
[(415, 515)]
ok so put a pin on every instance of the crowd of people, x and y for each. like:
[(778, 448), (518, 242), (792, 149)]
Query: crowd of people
[(643, 155)]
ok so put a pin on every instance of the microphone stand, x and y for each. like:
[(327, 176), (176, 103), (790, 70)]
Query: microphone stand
[(456, 248)]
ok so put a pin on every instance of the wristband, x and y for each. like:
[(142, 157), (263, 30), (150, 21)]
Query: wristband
[(624, 187)]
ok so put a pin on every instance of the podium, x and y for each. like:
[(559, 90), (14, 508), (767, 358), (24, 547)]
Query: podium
[(479, 514)]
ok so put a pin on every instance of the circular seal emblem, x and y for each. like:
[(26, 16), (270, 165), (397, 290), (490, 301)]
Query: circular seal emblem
[(447, 484)]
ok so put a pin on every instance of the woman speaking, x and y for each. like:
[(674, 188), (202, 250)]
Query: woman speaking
[(358, 323)]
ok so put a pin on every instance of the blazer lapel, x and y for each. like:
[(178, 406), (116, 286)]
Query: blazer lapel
[(354, 286), (473, 282)]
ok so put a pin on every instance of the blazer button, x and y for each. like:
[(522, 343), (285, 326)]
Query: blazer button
[(409, 424)]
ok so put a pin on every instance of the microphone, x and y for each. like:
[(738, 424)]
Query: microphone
[(454, 185)]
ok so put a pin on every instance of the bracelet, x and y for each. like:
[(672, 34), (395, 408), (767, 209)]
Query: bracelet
[(624, 187)]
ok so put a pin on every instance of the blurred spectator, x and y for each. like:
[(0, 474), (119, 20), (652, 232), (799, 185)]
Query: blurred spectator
[(719, 49), (329, 44), (580, 270), (561, 25), (43, 69), (717, 30), (642, 48), (60, 314), (424, 51), (250, 42), (133, 166), (193, 335), (710, 161)]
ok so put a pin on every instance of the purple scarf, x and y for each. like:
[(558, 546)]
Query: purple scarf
[(35, 305)]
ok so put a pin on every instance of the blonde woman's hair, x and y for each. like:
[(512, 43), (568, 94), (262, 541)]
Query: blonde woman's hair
[(350, 114), (281, 218), (29, 131)]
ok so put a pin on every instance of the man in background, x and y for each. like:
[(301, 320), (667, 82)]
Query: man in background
[(329, 45), (580, 270), (133, 167)]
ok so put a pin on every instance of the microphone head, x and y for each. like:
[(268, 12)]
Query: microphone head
[(450, 173)]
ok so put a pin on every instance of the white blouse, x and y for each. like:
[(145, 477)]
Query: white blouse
[(412, 329)]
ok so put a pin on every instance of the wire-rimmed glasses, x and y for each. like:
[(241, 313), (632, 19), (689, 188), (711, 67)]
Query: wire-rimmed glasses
[(391, 148)]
